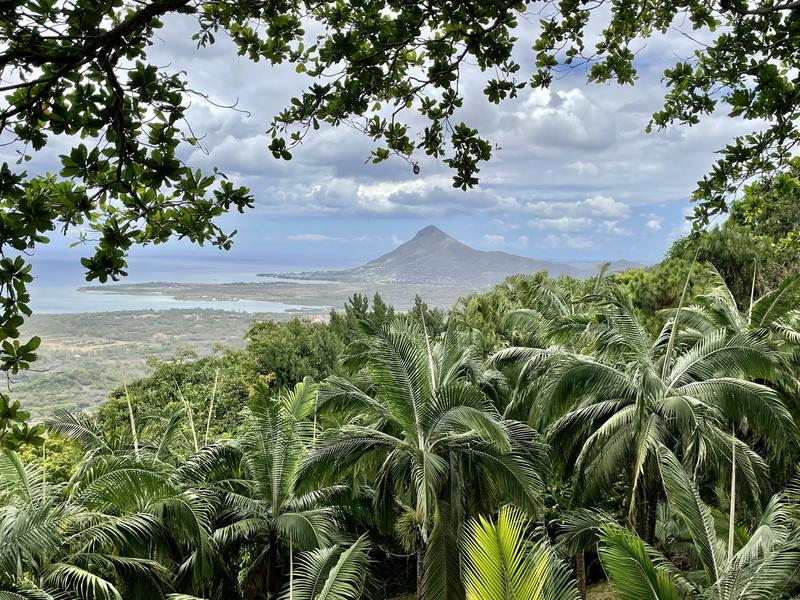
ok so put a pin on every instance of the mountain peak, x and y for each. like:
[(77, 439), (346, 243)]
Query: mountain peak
[(431, 231), (432, 257)]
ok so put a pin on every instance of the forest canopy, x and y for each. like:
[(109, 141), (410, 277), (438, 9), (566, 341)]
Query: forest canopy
[(80, 72)]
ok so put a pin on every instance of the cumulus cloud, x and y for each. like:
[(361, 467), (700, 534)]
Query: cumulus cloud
[(569, 241), (614, 228), (599, 206), (605, 207), (567, 118), (505, 225), (594, 214), (572, 164), (653, 223), (561, 224)]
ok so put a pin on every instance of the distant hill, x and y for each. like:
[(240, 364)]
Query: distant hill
[(433, 257)]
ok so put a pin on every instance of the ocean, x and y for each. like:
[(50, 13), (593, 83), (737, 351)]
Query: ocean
[(56, 283)]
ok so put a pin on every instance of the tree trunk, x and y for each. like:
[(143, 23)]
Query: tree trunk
[(420, 565), (580, 573), (652, 513), (263, 578), (641, 513), (272, 566)]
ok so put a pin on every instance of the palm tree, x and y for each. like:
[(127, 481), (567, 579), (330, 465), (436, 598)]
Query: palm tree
[(153, 471), (717, 308), (774, 314), (764, 567), (56, 547), (558, 318), (501, 564), (616, 406), (227, 500), (444, 450), (266, 510)]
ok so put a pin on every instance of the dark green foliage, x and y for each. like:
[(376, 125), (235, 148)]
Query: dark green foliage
[(657, 288), (164, 391), (770, 208), (14, 428), (289, 351), (432, 320), (414, 430), (424, 428), (737, 254), (79, 71), (345, 326), (57, 457)]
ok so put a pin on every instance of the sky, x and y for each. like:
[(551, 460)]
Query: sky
[(575, 178)]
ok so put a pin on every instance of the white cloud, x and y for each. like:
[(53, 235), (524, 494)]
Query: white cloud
[(605, 207), (570, 241), (572, 159), (684, 228), (583, 168), (315, 237), (598, 206), (613, 228), (596, 213), (563, 118), (653, 223), (561, 224), (493, 240), (505, 225)]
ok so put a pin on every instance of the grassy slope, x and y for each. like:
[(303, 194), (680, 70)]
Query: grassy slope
[(84, 356)]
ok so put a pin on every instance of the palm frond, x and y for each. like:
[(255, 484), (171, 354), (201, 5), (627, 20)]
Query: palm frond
[(685, 501), (500, 563), (630, 568), (331, 573)]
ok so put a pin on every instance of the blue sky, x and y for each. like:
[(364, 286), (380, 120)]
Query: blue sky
[(576, 177)]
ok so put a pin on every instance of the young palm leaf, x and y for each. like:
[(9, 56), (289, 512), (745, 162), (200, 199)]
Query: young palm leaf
[(500, 563), (331, 573)]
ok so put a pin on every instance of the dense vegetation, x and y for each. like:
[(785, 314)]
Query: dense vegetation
[(78, 78), (550, 433)]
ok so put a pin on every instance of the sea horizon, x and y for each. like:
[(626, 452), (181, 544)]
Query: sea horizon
[(55, 289)]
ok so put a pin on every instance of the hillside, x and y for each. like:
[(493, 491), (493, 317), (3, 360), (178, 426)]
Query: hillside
[(433, 257)]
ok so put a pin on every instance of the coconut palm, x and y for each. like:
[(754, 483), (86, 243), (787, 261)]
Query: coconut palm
[(558, 318), (717, 307), (765, 567), (775, 314), (553, 310), (443, 448), (152, 471), (215, 503), (500, 563)]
